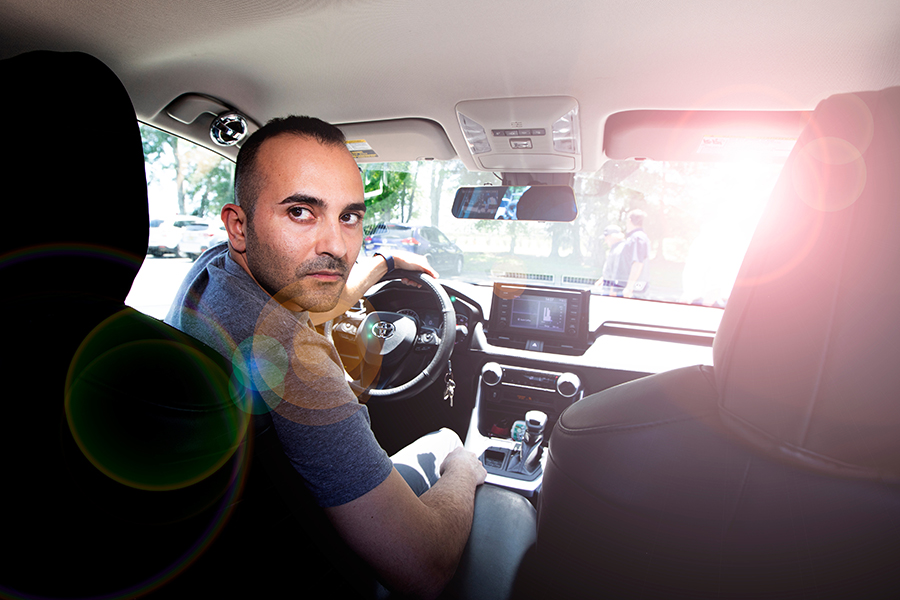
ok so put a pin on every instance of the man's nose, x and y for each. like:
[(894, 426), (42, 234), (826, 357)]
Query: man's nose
[(330, 239)]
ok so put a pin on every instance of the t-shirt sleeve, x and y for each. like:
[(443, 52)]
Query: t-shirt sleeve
[(323, 429), (340, 461), (280, 361)]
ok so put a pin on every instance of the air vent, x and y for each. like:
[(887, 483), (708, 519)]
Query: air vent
[(578, 280), (522, 276)]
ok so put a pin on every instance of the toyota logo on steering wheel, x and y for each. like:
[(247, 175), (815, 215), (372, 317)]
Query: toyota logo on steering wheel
[(383, 330)]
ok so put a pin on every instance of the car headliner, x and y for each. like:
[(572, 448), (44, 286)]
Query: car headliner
[(354, 60)]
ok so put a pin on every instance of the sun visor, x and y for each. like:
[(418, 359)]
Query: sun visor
[(397, 140), (537, 134), (703, 136)]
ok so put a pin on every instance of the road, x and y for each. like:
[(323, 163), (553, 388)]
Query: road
[(156, 284)]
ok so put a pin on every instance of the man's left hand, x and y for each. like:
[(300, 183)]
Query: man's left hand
[(413, 262)]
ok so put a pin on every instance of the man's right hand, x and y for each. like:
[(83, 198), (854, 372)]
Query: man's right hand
[(466, 463)]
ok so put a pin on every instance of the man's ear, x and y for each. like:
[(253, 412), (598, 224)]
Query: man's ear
[(235, 221)]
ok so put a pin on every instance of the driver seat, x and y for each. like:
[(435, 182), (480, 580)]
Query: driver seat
[(773, 474)]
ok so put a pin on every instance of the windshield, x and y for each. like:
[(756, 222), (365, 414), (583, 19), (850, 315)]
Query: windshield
[(696, 222), (689, 224)]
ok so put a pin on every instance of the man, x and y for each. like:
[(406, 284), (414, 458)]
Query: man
[(634, 256), (614, 239), (293, 236)]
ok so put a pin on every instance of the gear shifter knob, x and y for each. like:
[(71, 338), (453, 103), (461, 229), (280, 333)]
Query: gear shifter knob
[(535, 421), (531, 449)]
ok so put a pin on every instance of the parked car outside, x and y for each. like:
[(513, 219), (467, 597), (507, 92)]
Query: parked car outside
[(166, 235), (200, 236), (445, 256)]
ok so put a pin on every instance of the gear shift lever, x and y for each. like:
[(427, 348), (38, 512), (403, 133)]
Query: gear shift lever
[(524, 461), (530, 453)]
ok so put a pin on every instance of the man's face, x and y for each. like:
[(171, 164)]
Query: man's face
[(306, 228)]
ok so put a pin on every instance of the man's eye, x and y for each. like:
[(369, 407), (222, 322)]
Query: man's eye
[(351, 218), (300, 212)]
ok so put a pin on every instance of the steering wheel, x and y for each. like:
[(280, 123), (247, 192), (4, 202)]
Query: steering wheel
[(386, 339)]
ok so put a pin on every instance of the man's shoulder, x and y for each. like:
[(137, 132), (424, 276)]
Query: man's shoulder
[(215, 299), (637, 237), (636, 232), (222, 279)]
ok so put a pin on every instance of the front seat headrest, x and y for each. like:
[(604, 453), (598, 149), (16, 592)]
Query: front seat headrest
[(805, 357), (70, 191), (127, 451)]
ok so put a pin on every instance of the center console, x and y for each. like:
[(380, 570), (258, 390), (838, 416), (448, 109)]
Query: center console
[(522, 461), (515, 411)]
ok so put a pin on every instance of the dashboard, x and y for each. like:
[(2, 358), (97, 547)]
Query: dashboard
[(567, 329), (522, 347)]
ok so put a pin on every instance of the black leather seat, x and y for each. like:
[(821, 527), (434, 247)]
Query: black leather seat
[(775, 473), (123, 453)]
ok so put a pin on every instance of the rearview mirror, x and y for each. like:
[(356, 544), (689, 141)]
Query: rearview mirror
[(516, 203)]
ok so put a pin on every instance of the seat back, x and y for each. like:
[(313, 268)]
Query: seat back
[(126, 453), (805, 355), (773, 474)]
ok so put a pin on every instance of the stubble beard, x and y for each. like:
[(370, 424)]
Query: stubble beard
[(296, 288)]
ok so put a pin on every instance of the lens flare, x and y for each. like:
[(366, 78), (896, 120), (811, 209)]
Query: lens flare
[(259, 366), (68, 250), (143, 429), (154, 414), (829, 174)]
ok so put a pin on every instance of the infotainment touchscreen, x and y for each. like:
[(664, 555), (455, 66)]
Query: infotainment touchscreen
[(544, 313), (544, 317)]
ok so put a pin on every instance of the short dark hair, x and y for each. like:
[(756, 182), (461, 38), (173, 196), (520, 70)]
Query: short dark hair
[(637, 217), (247, 182)]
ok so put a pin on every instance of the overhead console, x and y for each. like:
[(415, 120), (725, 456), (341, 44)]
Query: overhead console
[(526, 134), (539, 318)]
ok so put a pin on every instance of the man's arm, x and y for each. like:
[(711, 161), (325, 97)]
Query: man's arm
[(414, 543), (636, 268), (366, 273)]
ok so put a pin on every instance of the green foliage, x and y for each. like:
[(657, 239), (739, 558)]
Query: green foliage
[(399, 192), (389, 193), (159, 149), (203, 180), (214, 188)]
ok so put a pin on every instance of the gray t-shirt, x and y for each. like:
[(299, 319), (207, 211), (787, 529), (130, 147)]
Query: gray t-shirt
[(277, 354)]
